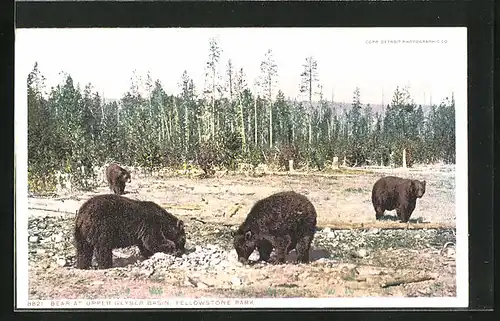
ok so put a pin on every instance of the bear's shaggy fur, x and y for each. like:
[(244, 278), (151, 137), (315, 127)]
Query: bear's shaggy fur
[(117, 177), (397, 193), (109, 221), (283, 221)]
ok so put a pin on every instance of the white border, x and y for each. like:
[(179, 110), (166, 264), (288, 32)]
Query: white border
[(22, 69)]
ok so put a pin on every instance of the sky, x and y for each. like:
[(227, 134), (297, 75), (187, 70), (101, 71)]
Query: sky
[(347, 58)]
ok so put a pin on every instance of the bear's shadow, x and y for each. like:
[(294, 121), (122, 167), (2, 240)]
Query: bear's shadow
[(314, 255), (122, 259), (395, 218)]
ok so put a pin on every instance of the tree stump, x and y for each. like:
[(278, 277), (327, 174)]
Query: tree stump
[(335, 163)]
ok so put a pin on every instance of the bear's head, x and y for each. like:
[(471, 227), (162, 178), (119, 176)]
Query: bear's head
[(418, 188), (244, 243)]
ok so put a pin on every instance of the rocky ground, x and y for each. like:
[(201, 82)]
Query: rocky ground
[(369, 259)]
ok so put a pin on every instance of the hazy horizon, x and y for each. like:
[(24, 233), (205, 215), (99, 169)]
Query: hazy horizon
[(107, 58)]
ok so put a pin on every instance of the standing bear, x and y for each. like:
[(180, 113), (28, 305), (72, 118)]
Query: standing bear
[(106, 222), (283, 221), (117, 177), (397, 193)]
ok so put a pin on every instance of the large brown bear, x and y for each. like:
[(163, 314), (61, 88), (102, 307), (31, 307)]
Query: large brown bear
[(109, 221), (397, 193), (283, 221), (117, 177)]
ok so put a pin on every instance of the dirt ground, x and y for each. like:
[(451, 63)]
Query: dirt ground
[(353, 254)]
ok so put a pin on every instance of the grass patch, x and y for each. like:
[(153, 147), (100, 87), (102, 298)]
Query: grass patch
[(269, 292), (355, 190)]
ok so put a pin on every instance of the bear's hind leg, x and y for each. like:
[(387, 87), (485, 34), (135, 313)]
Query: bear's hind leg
[(281, 245), (104, 257), (144, 252), (303, 246)]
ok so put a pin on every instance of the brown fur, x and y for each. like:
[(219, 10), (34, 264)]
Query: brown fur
[(117, 177), (395, 193), (284, 221), (109, 221)]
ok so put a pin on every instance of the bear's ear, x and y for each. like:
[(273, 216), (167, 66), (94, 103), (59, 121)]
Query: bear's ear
[(180, 224), (248, 235)]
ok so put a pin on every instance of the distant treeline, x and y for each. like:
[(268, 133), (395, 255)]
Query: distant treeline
[(225, 124)]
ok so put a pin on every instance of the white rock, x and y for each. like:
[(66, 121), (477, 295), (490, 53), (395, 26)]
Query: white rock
[(361, 253), (33, 239), (40, 251), (254, 256), (236, 281), (61, 262), (417, 236), (159, 256), (57, 238), (327, 230)]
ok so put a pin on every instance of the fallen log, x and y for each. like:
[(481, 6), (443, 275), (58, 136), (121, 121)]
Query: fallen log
[(406, 280), (50, 210), (198, 220), (187, 207)]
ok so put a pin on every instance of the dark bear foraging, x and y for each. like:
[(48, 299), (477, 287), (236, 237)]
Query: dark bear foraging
[(283, 221), (117, 177), (397, 193), (110, 221)]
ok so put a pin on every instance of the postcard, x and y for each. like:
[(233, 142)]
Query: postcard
[(241, 168)]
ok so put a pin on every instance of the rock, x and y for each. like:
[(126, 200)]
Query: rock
[(33, 239), (254, 256), (57, 238), (146, 272), (61, 262), (236, 281), (159, 256), (327, 230), (374, 230), (361, 253), (40, 251), (417, 236)]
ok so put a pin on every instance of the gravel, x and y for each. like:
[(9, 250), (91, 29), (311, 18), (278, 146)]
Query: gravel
[(209, 246)]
